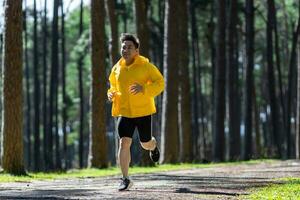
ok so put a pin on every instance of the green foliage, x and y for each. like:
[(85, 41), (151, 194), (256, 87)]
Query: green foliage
[(289, 190)]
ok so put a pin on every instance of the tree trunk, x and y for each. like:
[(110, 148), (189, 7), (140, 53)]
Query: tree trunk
[(233, 89), (169, 138), (36, 93), (212, 46), (28, 161), (46, 126), (271, 80), (281, 115), (249, 79), (114, 56), (256, 126), (81, 94), (290, 91), (297, 145), (113, 42), (63, 82), (53, 86), (195, 99), (98, 89), (12, 160), (185, 121), (124, 17), (219, 101), (141, 9)]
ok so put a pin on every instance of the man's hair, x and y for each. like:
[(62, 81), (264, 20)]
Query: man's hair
[(130, 37)]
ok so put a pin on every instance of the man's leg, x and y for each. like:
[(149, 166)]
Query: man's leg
[(150, 145), (124, 155), (148, 142)]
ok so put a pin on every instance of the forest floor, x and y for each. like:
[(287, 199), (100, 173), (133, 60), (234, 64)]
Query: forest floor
[(224, 182)]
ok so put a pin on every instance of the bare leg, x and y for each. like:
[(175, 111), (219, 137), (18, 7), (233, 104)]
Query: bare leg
[(124, 155)]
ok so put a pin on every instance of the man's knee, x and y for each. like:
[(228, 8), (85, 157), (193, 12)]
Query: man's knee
[(125, 142), (150, 145)]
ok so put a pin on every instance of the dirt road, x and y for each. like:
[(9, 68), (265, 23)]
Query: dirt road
[(210, 183)]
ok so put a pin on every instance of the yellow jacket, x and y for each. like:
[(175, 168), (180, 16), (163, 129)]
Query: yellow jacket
[(143, 72)]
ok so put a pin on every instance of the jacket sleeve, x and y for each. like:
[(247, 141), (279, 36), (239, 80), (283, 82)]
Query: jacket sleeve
[(112, 82), (156, 83)]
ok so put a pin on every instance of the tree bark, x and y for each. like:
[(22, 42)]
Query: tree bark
[(98, 89), (36, 92), (271, 80), (233, 89), (63, 82), (12, 160), (219, 100), (114, 56), (185, 121), (141, 9), (291, 78), (170, 138), (196, 86), (113, 42), (81, 93), (297, 145), (46, 131), (281, 115), (249, 79), (28, 159), (53, 87)]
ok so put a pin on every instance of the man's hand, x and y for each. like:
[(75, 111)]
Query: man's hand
[(110, 96), (135, 88)]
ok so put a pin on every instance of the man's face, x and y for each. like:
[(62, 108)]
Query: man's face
[(128, 50)]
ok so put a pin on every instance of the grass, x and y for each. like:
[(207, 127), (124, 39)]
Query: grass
[(290, 190)]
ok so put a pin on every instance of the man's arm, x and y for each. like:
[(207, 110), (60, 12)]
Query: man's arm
[(112, 90), (156, 83)]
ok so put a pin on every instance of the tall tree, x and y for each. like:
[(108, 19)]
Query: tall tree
[(291, 77), (297, 145), (81, 94), (53, 86), (219, 98), (170, 138), (271, 79), (185, 121), (142, 28), (36, 92), (249, 78), (28, 123), (12, 160), (113, 43), (63, 85), (98, 89), (233, 90), (46, 129), (282, 107), (114, 55), (195, 81)]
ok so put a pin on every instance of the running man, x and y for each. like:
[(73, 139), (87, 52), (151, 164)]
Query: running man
[(134, 82)]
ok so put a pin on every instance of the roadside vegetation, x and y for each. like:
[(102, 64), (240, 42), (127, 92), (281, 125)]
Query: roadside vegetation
[(289, 189)]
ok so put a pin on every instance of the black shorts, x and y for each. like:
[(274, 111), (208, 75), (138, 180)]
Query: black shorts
[(126, 127)]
